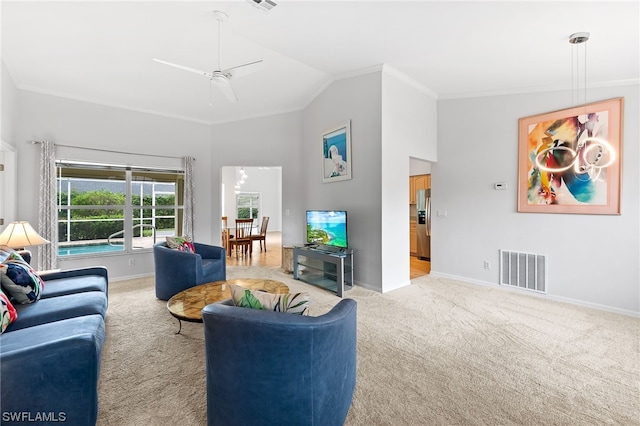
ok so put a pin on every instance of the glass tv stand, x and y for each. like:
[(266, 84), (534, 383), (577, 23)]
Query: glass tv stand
[(326, 268)]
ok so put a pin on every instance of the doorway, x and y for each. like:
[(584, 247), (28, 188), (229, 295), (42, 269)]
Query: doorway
[(254, 192), (419, 218)]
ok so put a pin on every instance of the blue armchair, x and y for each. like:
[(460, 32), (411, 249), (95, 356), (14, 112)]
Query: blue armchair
[(272, 368), (179, 270)]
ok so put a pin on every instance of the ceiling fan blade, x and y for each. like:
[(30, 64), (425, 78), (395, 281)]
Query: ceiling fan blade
[(193, 70), (225, 87), (242, 70)]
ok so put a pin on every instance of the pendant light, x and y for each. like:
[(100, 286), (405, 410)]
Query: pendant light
[(590, 154), (576, 40), (593, 154)]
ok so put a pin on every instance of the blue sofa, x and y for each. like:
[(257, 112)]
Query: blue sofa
[(273, 368), (178, 270), (50, 356)]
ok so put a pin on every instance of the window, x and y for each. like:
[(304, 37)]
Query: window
[(109, 208), (248, 205)]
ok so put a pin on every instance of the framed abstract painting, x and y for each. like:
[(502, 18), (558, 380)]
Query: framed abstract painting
[(336, 153), (570, 160)]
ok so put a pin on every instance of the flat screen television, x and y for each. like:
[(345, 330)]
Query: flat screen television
[(327, 228)]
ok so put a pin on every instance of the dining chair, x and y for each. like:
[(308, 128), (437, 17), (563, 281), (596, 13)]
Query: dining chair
[(226, 235), (261, 236), (243, 236)]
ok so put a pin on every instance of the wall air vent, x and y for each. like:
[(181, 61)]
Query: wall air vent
[(523, 270), (265, 5)]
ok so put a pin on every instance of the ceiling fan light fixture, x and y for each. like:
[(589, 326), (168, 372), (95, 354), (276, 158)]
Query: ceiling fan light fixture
[(265, 5), (220, 77), (220, 16)]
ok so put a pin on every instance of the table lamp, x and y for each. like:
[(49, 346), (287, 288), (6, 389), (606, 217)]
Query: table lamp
[(18, 235)]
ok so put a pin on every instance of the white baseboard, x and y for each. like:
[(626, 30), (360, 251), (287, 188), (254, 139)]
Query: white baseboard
[(131, 277), (555, 298), (404, 284), (377, 289)]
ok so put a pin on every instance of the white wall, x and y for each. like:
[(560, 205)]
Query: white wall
[(267, 181), (593, 259), (228, 205), (81, 124), (419, 167), (357, 99), (8, 105), (409, 130), (8, 152), (273, 141)]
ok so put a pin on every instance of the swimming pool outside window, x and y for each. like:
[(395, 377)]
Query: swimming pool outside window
[(110, 208)]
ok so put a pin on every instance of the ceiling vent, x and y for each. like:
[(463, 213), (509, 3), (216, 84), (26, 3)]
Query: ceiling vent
[(265, 5)]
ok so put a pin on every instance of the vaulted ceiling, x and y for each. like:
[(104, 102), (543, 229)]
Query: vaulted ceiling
[(102, 51)]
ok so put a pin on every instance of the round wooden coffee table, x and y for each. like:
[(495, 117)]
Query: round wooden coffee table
[(188, 304)]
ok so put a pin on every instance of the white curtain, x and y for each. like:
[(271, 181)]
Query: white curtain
[(187, 221), (47, 215)]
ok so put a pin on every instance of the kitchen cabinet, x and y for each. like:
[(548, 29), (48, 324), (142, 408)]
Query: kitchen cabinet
[(422, 182), (416, 183), (412, 190), (413, 237)]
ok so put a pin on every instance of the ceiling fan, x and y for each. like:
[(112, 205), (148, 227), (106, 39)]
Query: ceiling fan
[(221, 77)]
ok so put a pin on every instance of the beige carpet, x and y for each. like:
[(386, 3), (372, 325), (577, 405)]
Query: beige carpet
[(438, 352)]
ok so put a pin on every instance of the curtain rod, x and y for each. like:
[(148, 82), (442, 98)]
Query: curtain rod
[(112, 151)]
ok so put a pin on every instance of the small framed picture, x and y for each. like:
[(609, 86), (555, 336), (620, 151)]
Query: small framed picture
[(336, 153)]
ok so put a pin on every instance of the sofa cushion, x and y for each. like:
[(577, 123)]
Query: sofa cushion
[(18, 280), (59, 308), (72, 285), (209, 266), (293, 303), (181, 244), (53, 368), (8, 313)]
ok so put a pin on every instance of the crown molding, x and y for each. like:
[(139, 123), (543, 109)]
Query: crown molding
[(410, 81), (364, 71), (539, 89), (108, 104), (256, 116), (317, 93), (388, 69), (162, 114)]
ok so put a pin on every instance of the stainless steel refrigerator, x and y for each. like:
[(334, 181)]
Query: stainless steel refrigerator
[(423, 228)]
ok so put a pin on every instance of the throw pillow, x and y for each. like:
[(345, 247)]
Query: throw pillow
[(19, 280), (181, 244), (8, 313), (5, 253), (293, 303)]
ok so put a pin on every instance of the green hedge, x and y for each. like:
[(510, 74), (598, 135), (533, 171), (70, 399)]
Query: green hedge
[(243, 212), (100, 223), (81, 231)]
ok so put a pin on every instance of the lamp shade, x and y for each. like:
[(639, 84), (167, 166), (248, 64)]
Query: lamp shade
[(19, 235)]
